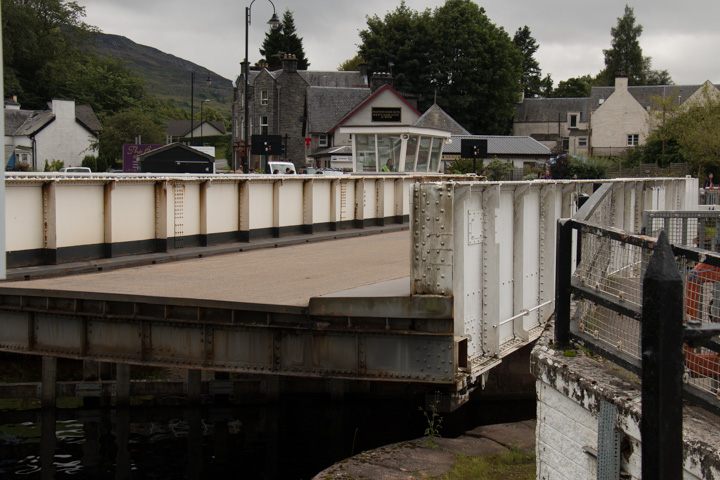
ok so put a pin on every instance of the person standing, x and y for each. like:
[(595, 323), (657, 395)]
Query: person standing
[(708, 181)]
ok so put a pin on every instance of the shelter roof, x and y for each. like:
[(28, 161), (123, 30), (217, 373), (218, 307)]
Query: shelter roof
[(436, 117), (501, 145)]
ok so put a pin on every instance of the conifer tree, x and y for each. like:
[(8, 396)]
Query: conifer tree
[(281, 40)]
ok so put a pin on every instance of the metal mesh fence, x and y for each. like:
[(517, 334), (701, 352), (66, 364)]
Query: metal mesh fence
[(616, 269), (692, 229)]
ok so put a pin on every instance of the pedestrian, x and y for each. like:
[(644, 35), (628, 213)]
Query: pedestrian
[(708, 181)]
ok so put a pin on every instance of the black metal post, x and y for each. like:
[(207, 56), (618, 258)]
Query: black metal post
[(192, 104), (662, 366), (563, 272)]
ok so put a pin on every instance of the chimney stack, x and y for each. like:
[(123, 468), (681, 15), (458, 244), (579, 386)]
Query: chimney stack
[(379, 79), (289, 63)]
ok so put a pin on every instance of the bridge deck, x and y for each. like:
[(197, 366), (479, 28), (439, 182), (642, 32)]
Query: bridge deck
[(278, 276)]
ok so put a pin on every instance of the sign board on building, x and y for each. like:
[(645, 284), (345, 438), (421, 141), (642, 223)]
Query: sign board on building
[(473, 148), (266, 144), (386, 114), (130, 153)]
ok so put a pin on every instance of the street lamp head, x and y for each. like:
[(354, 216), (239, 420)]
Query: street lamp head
[(274, 20)]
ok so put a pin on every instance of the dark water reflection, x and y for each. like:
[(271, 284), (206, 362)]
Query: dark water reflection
[(288, 440)]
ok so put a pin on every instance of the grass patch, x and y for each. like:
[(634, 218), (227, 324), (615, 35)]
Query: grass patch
[(509, 465)]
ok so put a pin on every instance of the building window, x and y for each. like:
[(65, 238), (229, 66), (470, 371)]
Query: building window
[(573, 120), (565, 145), (263, 125), (323, 140), (582, 142), (633, 140), (263, 97)]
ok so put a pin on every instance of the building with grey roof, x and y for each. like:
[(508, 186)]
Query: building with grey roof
[(522, 151), (607, 123), (63, 132)]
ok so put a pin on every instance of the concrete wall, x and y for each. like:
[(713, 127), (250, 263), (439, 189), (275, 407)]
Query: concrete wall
[(55, 218)]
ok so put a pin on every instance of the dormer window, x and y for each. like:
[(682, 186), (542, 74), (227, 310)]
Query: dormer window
[(573, 120)]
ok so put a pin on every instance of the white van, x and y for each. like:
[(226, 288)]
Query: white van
[(76, 170), (280, 167)]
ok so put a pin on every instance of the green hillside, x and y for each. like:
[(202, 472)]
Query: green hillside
[(167, 77)]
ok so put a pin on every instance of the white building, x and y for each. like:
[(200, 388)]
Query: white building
[(64, 132)]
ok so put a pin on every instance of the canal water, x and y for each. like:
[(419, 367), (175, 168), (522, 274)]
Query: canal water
[(293, 439)]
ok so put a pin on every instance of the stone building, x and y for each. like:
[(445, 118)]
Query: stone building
[(282, 102)]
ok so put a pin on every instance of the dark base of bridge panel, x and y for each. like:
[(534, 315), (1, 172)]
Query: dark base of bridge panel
[(104, 256)]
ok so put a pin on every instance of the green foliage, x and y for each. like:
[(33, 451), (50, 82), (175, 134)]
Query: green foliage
[(434, 421), (351, 64), (498, 169), (687, 133), (531, 80), (567, 166), (625, 56), (122, 128), (588, 168), (509, 465), (53, 166), (283, 39), (576, 87), (454, 51), (461, 166), (90, 161), (106, 84), (40, 40)]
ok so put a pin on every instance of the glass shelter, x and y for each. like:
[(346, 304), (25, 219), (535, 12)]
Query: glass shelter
[(396, 149)]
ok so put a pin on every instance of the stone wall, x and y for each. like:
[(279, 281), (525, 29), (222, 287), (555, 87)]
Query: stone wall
[(570, 391)]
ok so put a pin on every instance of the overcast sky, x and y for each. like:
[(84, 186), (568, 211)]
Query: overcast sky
[(681, 37)]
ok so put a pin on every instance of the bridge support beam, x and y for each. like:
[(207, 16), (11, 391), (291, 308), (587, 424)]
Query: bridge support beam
[(194, 389), (122, 390), (49, 378)]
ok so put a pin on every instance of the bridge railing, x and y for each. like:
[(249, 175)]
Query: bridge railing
[(492, 247), (57, 218), (607, 286)]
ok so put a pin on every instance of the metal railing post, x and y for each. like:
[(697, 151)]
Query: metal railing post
[(662, 366), (563, 272)]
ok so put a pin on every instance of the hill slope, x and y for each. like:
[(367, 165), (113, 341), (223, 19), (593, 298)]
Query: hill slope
[(167, 77)]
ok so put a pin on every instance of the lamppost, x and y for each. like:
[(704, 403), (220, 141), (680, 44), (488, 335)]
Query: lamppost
[(201, 118), (246, 64)]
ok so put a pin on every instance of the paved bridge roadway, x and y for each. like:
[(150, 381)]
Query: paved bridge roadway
[(287, 276)]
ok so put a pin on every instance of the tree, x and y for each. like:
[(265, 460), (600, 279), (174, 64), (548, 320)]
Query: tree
[(695, 127), (576, 87), (40, 47), (455, 54), (531, 80), (625, 56), (283, 39), (122, 128), (351, 64), (106, 84)]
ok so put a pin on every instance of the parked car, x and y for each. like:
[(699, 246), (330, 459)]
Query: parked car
[(75, 170), (281, 167)]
